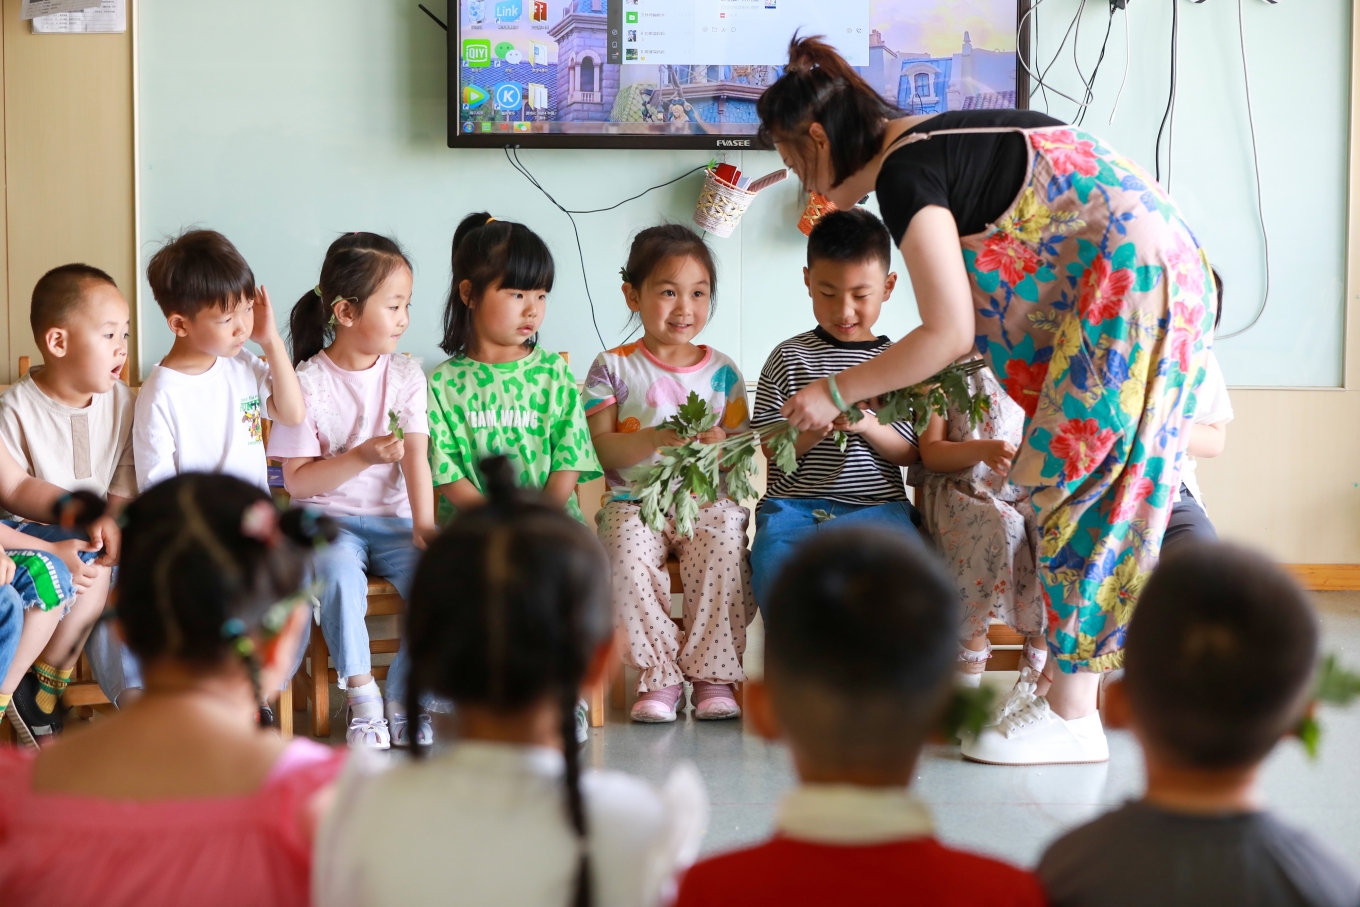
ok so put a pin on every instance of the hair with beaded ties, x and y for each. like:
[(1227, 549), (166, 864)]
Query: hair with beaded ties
[(486, 630), (355, 267), (488, 252), (205, 567), (818, 86)]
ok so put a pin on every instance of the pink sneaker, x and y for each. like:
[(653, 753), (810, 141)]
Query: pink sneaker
[(714, 701), (658, 706)]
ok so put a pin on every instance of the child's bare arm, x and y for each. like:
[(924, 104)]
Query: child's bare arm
[(618, 449), (82, 574), (885, 439), (942, 456), (285, 400), (1208, 440), (462, 494), (23, 495), (415, 470), (560, 486), (307, 477)]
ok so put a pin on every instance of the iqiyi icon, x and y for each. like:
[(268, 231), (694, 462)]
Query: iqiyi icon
[(477, 52)]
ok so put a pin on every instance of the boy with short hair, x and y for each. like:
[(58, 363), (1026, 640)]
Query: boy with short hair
[(859, 655), (201, 408), (69, 422), (848, 277), (1219, 664)]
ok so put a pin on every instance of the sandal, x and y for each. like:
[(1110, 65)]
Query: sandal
[(398, 730), (371, 733), (714, 701)]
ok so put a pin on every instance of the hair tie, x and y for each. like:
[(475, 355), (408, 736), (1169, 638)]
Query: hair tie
[(489, 219), (317, 290), (260, 521)]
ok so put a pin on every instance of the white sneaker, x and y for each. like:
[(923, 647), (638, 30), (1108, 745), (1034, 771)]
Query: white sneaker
[(1033, 735), (1023, 693)]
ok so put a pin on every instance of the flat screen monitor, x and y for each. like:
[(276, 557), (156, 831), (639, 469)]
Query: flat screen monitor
[(688, 73)]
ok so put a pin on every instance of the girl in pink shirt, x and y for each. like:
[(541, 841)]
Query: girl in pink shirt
[(182, 798)]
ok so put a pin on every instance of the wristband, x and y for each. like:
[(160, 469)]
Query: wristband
[(836, 397)]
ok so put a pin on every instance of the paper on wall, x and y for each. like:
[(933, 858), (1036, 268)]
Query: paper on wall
[(106, 17), (32, 8)]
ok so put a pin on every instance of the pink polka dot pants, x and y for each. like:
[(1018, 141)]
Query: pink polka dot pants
[(716, 572)]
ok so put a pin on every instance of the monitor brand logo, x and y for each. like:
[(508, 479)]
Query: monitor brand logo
[(734, 143)]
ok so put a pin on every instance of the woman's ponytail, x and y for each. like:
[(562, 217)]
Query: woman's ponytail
[(819, 86)]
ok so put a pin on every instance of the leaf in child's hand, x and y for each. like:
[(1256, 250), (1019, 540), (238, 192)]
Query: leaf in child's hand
[(842, 440), (394, 425), (1334, 684), (1309, 733)]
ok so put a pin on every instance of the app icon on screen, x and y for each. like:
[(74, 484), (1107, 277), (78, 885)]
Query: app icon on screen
[(473, 97), (477, 52), (540, 11), (521, 126), (477, 11), (487, 126), (540, 53), (509, 10), (508, 96), (630, 17), (467, 127)]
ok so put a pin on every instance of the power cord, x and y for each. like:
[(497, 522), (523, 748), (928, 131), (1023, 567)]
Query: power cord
[(1128, 26), (512, 156), (1090, 84), (1170, 113), (1256, 165)]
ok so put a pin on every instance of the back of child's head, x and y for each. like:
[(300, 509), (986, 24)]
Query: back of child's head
[(491, 253), (509, 604), (355, 267), (57, 295), (199, 269), (208, 564), (1219, 656), (656, 247), (850, 236), (860, 641)]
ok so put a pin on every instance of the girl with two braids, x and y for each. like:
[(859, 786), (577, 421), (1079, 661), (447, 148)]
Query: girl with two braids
[(183, 797), (506, 816)]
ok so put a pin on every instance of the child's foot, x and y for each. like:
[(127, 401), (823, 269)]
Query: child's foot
[(1026, 686), (972, 665), (582, 722), (364, 722), (1034, 735), (42, 727), (714, 701), (658, 706), (399, 729)]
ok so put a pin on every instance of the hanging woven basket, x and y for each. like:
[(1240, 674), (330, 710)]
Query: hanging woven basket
[(720, 206)]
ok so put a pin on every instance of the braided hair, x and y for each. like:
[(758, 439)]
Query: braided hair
[(485, 630), (206, 561)]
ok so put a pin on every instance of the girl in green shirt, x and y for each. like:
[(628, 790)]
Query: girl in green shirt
[(499, 394)]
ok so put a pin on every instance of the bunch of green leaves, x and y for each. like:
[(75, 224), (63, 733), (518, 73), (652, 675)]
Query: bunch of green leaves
[(970, 710), (691, 419), (934, 395), (394, 425), (1333, 685)]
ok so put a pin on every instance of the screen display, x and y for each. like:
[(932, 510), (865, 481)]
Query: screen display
[(689, 72)]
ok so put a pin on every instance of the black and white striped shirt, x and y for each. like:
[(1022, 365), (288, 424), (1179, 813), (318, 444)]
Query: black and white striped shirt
[(861, 475)]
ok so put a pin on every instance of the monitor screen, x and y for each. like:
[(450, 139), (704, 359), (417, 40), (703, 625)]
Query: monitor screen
[(688, 73)]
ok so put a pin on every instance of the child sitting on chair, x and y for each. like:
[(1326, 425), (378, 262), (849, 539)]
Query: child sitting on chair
[(670, 284), (510, 621), (856, 479), (69, 422), (183, 797), (859, 651), (347, 461), (1218, 667), (984, 528)]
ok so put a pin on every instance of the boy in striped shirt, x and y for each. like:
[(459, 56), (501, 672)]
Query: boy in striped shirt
[(851, 476)]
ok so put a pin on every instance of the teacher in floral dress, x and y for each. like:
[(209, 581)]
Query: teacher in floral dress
[(1074, 275)]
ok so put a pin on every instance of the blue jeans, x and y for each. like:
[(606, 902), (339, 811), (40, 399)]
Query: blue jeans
[(784, 523), (115, 668), (382, 546), (11, 626)]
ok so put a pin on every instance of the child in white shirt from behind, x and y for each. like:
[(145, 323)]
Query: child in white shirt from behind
[(201, 408), (510, 620)]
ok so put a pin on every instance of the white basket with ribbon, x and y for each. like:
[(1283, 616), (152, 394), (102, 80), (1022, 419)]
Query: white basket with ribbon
[(721, 205)]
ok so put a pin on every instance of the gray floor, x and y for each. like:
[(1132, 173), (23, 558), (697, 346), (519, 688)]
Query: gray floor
[(1008, 812)]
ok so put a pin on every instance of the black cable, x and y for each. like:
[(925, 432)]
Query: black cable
[(1171, 95), (437, 20), (514, 161), (1090, 86)]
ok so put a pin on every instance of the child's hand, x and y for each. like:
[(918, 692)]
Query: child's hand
[(666, 437), (381, 450), (7, 568), (853, 428), (712, 436), (998, 455), (264, 328), (105, 534), (421, 536), (82, 574)]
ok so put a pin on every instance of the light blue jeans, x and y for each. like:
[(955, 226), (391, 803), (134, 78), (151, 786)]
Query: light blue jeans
[(377, 545), (782, 524), (11, 626)]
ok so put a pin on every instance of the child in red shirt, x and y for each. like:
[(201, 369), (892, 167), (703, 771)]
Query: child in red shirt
[(859, 651)]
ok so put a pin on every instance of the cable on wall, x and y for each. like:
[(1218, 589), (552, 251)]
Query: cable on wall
[(512, 156), (1090, 84), (1170, 113), (1128, 26), (1256, 165)]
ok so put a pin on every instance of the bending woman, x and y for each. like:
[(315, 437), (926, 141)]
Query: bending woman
[(1073, 273)]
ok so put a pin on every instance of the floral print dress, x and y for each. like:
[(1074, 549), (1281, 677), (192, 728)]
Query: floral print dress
[(983, 525), (1094, 306)]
